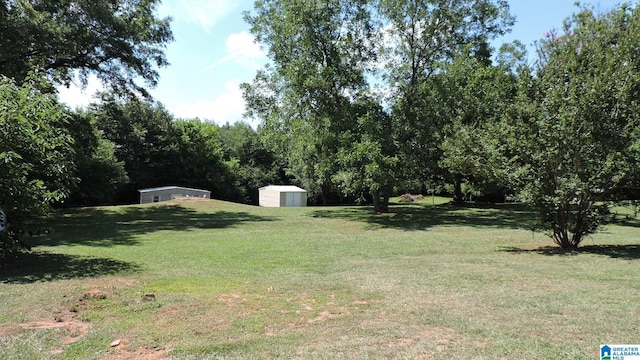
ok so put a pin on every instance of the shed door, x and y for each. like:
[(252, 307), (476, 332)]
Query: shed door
[(290, 199), (294, 199)]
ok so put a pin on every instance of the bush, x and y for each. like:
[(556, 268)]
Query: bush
[(35, 153)]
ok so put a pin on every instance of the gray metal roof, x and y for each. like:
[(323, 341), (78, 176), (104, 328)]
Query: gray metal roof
[(161, 188), (284, 188)]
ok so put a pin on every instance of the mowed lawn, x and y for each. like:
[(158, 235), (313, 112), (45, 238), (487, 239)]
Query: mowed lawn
[(216, 280)]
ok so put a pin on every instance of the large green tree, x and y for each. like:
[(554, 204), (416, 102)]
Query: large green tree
[(196, 156), (319, 51), (328, 57), (99, 173), (368, 156), (251, 163), (36, 168), (158, 150), (572, 138), (119, 41), (423, 37), (141, 132), (469, 95)]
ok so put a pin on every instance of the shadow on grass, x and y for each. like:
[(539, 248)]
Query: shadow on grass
[(422, 217), (120, 226), (42, 266), (626, 252), (624, 221)]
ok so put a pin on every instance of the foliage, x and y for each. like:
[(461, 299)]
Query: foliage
[(36, 168), (100, 175), (197, 156), (368, 156), (119, 41), (250, 163), (329, 58), (470, 94), (424, 36), (157, 150), (140, 131), (319, 51), (573, 135)]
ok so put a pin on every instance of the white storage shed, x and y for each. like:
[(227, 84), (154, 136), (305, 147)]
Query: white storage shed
[(165, 193), (282, 196)]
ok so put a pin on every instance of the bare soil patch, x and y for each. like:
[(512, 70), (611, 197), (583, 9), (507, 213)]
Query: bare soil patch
[(63, 319), (120, 352)]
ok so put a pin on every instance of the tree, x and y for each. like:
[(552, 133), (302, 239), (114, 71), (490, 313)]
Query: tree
[(141, 133), (36, 169), (423, 37), (572, 139), (100, 175), (368, 155), (196, 159), (119, 41), (469, 94), (251, 164), (319, 52), (158, 150)]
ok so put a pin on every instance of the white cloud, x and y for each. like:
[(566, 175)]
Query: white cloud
[(242, 48), (244, 44), (77, 97), (226, 107), (206, 13)]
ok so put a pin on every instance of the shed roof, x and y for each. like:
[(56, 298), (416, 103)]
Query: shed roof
[(284, 188), (169, 188)]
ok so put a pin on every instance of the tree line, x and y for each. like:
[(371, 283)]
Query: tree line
[(361, 100), (377, 96), (54, 156)]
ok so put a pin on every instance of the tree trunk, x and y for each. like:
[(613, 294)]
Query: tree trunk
[(325, 194), (376, 201), (384, 207), (561, 234), (457, 190)]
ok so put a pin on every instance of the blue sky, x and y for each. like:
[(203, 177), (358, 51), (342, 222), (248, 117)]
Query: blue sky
[(213, 53)]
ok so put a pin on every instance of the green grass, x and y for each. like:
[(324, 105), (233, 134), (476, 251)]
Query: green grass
[(235, 281)]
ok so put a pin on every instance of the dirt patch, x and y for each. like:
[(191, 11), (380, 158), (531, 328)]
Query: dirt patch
[(330, 314), (90, 299), (246, 305), (440, 336), (122, 353), (94, 294), (181, 318), (232, 300), (400, 343), (64, 319)]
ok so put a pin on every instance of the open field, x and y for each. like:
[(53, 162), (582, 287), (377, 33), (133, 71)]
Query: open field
[(214, 280)]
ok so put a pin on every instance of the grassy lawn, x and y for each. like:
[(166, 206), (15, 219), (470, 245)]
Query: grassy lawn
[(215, 280)]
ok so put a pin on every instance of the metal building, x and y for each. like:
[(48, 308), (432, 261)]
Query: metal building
[(282, 196), (165, 193)]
